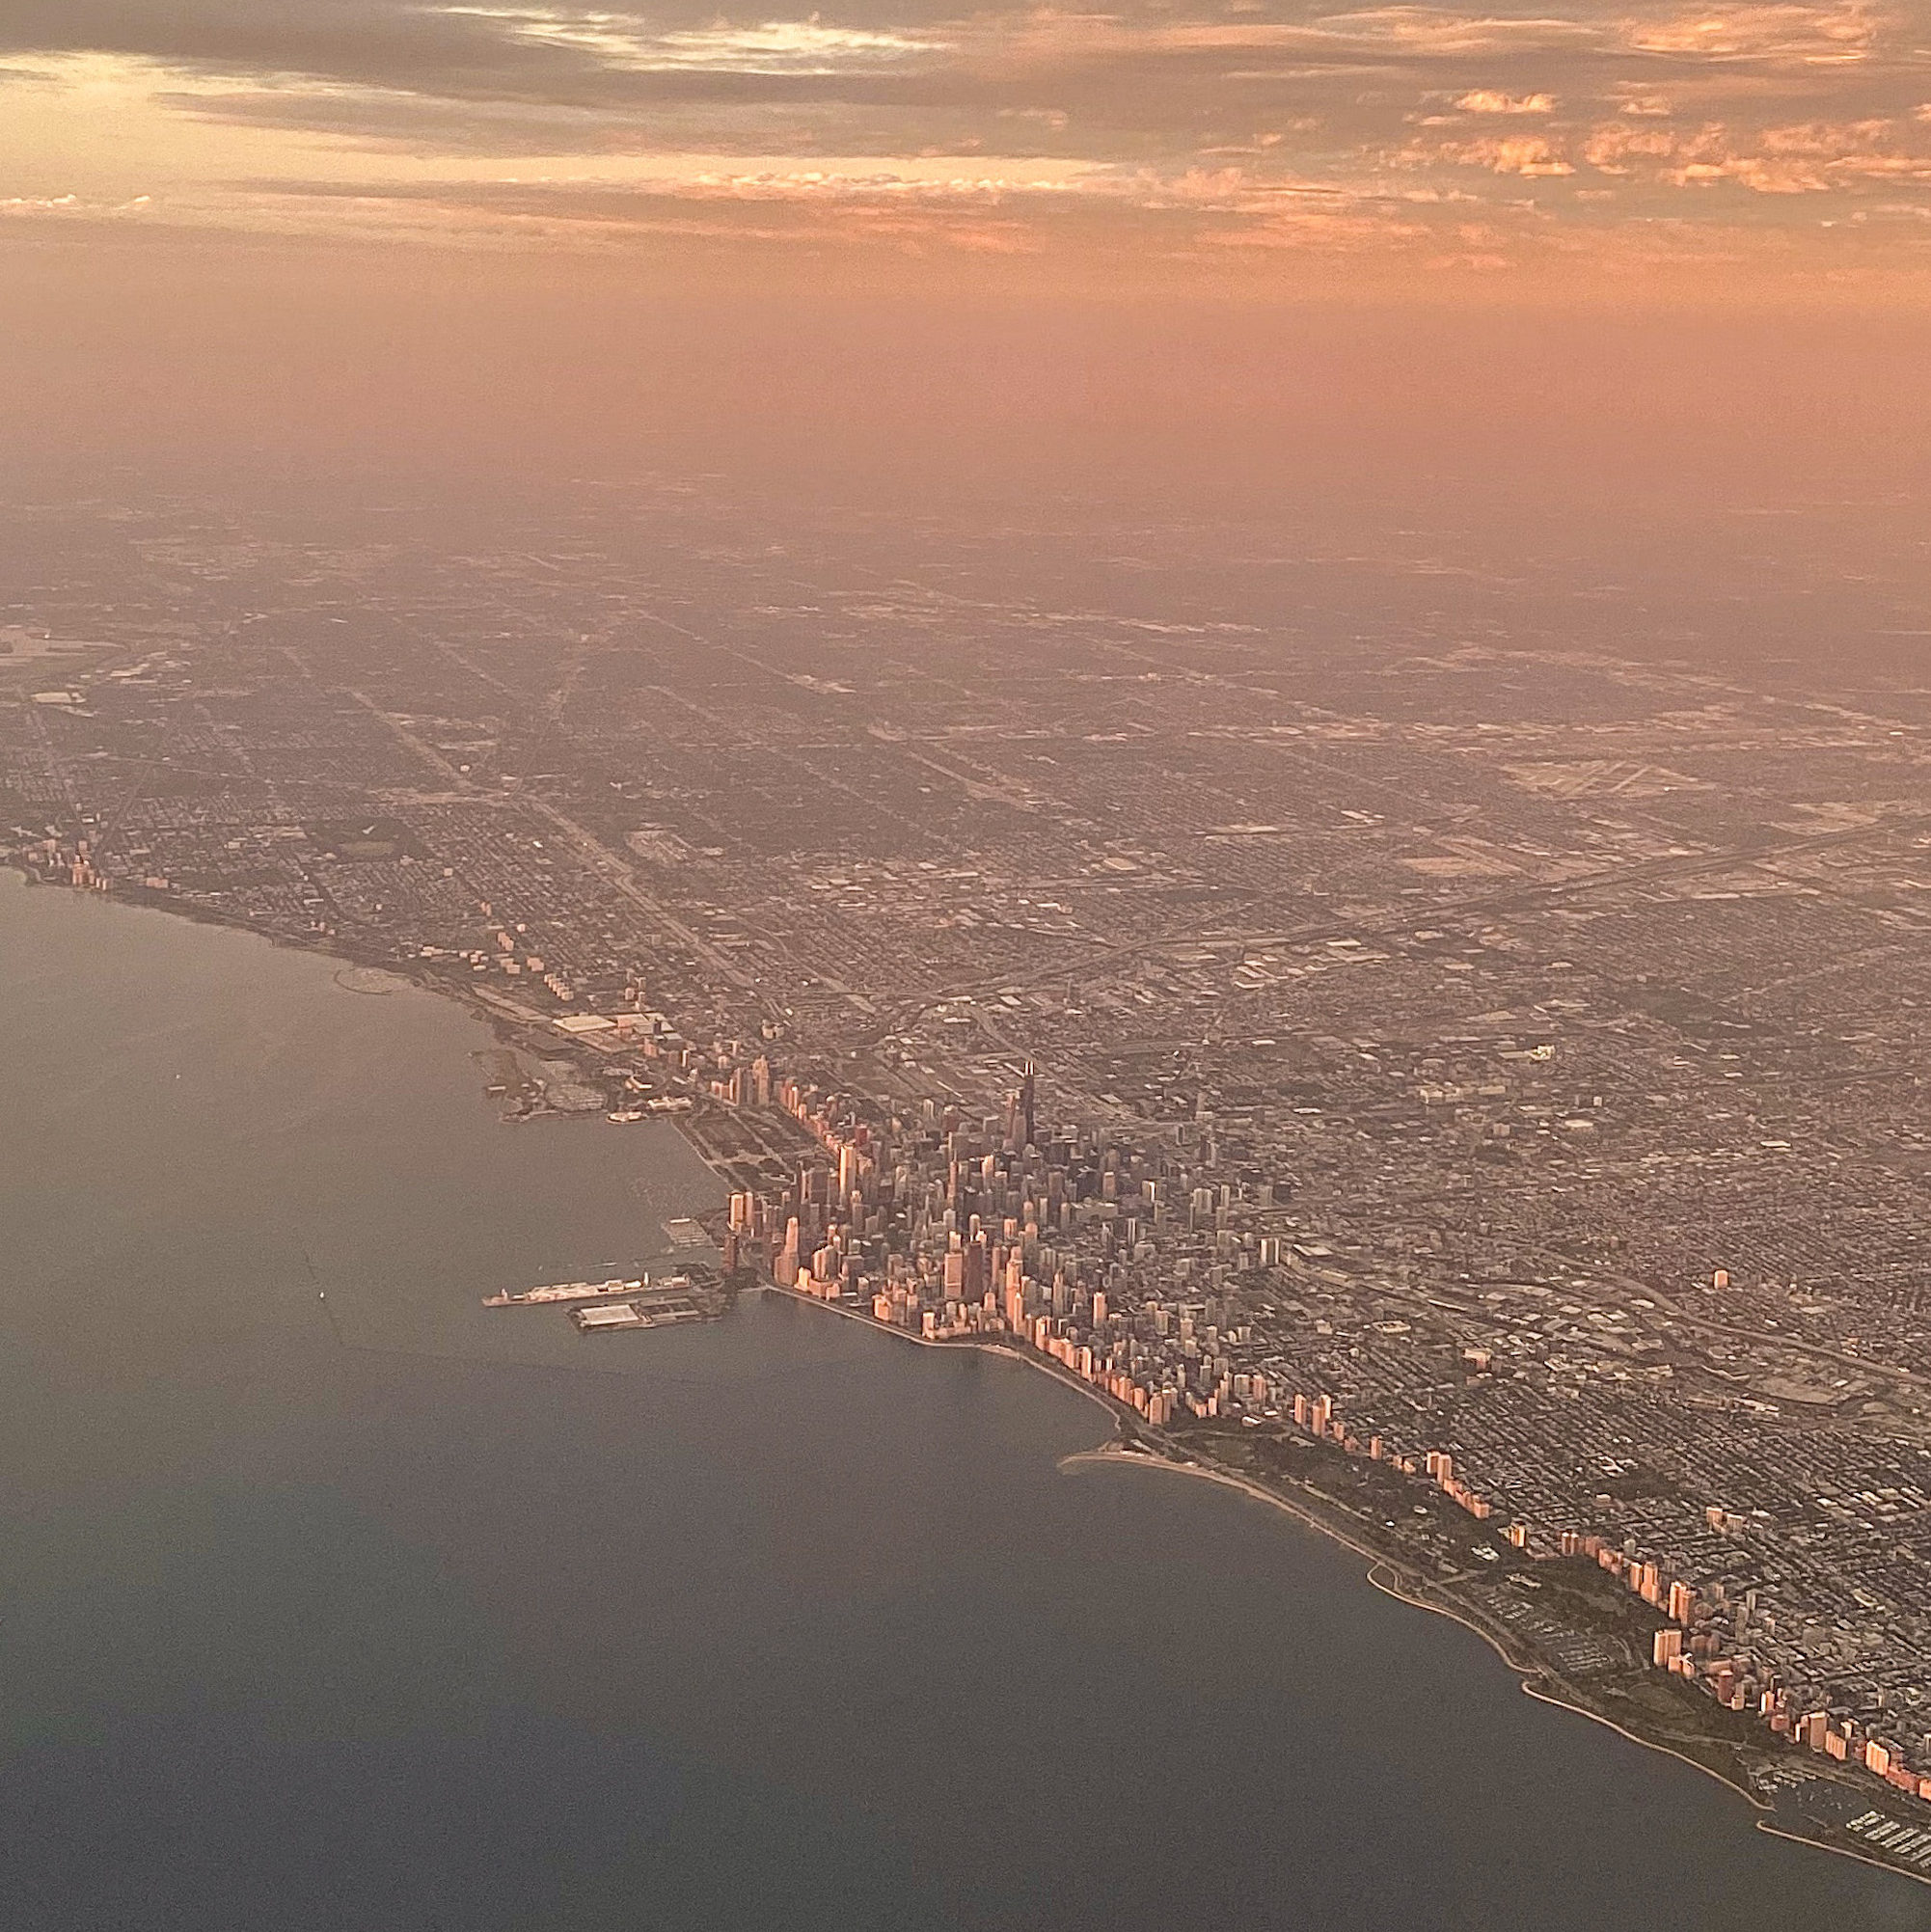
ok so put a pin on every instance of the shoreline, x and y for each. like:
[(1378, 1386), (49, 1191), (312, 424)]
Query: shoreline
[(1380, 1576), (513, 1032), (1380, 1571), (1839, 1851), (1027, 1358)]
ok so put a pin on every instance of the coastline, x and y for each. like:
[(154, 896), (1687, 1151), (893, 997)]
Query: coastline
[(1381, 1572), (1840, 1851), (511, 1031), (1380, 1575), (1029, 1358)]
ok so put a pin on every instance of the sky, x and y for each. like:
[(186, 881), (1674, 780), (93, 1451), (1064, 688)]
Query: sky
[(1606, 224), (1580, 137)]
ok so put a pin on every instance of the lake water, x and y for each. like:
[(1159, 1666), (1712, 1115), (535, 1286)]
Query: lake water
[(427, 1616)]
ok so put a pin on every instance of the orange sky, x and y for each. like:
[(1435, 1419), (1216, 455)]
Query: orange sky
[(1584, 141), (1566, 240)]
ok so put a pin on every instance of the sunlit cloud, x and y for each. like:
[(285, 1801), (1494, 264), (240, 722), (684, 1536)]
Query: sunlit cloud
[(628, 41), (1491, 100), (1527, 155), (1845, 32), (1462, 137)]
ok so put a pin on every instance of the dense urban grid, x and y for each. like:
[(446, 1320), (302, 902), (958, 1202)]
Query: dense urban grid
[(1432, 1067)]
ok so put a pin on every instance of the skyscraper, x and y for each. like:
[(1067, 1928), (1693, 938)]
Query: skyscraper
[(1020, 1112)]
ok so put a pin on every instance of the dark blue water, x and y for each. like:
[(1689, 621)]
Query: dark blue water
[(464, 1621)]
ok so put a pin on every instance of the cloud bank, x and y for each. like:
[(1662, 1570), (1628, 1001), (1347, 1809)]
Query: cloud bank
[(1584, 139)]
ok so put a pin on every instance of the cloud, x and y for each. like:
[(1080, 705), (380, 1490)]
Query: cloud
[(1490, 100), (1530, 156), (1279, 123), (1843, 32), (628, 42), (1807, 158)]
